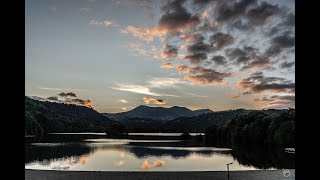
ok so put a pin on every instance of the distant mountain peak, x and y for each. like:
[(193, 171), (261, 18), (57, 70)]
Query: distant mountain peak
[(179, 107), (142, 106), (143, 111)]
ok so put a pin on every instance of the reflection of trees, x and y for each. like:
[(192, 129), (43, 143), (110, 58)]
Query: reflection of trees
[(264, 157), (48, 153), (143, 152)]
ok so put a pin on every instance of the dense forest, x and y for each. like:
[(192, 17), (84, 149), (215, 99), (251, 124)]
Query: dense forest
[(197, 123), (49, 117), (256, 127)]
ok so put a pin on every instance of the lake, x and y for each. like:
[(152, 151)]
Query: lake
[(96, 152)]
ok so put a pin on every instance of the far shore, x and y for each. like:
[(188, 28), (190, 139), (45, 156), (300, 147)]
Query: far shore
[(140, 175)]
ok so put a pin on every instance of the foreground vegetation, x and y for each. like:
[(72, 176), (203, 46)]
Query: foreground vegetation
[(49, 117), (255, 128)]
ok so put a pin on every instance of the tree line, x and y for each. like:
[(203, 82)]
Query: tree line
[(255, 128)]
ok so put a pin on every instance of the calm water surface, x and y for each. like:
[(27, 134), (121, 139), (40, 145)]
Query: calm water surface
[(146, 134), (102, 154)]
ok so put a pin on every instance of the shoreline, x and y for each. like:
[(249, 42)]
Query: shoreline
[(157, 175)]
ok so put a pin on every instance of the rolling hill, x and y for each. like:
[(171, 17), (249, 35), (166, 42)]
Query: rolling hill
[(202, 122), (51, 117), (159, 113)]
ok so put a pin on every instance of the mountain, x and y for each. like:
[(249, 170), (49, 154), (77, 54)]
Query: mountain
[(159, 113), (51, 117), (202, 122)]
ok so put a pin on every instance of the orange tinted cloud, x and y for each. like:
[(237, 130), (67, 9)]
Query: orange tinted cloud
[(81, 102), (183, 69), (169, 51), (144, 33), (149, 100), (204, 76), (167, 65)]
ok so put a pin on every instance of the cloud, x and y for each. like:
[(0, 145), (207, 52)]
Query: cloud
[(205, 76), (195, 95), (53, 98), (220, 40), (235, 97), (260, 13), (247, 93), (86, 103), (146, 90), (286, 65), (135, 89), (147, 165), (140, 33), (213, 78), (202, 3), (205, 15), (277, 101), (149, 100), (276, 97), (196, 58), (165, 82), (167, 65), (176, 18), (289, 20), (138, 49), (183, 69), (208, 25), (257, 83), (123, 101), (258, 62), (205, 29), (199, 47), (229, 9), (284, 40), (61, 89), (248, 57), (237, 54), (169, 51), (106, 23), (69, 94), (192, 38), (219, 60), (239, 24), (280, 42)]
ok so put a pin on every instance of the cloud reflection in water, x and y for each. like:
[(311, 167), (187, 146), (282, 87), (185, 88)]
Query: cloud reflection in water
[(147, 165)]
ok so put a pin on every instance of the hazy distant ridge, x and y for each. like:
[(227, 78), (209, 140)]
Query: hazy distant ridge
[(159, 113)]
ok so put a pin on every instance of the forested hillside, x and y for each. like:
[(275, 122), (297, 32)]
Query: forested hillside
[(49, 117), (256, 127)]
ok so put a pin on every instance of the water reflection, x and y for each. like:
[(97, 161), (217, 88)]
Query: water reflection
[(147, 165), (264, 157), (137, 155), (41, 152)]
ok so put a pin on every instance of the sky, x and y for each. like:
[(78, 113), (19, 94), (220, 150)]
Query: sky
[(201, 54)]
